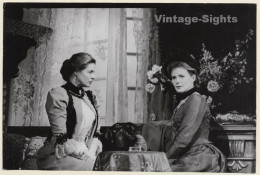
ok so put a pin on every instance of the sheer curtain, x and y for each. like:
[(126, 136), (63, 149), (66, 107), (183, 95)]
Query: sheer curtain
[(117, 107), (155, 106)]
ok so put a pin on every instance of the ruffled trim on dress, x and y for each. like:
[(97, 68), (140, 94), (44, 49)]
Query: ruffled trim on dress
[(65, 146), (183, 101), (58, 141)]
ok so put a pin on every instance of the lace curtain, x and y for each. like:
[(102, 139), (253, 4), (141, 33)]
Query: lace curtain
[(39, 71), (155, 106)]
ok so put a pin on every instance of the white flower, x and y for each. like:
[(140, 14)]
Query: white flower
[(150, 88), (213, 86), (156, 68), (237, 53), (209, 100), (225, 59), (154, 80), (150, 74), (162, 88)]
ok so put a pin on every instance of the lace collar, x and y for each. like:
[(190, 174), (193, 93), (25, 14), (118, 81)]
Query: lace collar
[(183, 101)]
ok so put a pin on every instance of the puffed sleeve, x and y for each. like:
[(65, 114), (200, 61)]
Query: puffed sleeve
[(193, 110), (56, 104)]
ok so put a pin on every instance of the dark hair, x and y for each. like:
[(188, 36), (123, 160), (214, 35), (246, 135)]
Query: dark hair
[(77, 62), (182, 55), (190, 69), (183, 64)]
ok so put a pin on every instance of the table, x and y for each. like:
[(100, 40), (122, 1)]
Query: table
[(132, 161)]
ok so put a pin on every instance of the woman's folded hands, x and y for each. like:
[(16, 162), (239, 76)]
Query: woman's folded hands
[(76, 149), (79, 149)]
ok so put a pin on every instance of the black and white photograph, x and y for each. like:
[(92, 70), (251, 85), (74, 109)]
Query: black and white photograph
[(139, 87)]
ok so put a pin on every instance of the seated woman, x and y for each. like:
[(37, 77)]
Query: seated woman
[(185, 136), (190, 149), (73, 117)]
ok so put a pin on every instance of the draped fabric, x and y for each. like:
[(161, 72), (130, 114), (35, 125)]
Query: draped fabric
[(142, 18), (148, 106), (160, 102), (74, 30), (117, 108)]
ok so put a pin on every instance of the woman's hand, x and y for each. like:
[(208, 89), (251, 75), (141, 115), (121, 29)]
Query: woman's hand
[(75, 148), (80, 151), (86, 156), (95, 147)]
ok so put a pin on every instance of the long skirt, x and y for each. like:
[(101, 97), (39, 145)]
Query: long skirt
[(201, 158), (47, 160)]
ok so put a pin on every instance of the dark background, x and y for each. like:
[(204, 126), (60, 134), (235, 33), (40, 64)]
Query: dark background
[(219, 40)]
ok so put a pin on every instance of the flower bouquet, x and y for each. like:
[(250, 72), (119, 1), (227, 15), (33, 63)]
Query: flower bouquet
[(221, 76), (224, 74), (156, 77), (229, 71)]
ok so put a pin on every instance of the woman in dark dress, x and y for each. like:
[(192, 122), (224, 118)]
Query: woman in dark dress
[(190, 149), (184, 138)]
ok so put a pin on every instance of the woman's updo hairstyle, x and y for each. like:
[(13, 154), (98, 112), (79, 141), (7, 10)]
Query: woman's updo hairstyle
[(182, 64), (77, 62)]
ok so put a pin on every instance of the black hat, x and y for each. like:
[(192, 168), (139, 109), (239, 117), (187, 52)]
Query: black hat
[(180, 55)]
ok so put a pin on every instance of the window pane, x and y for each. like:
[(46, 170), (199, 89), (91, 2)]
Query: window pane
[(131, 71), (130, 37), (131, 105), (129, 12)]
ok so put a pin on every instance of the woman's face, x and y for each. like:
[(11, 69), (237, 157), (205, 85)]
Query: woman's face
[(182, 80), (86, 76)]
